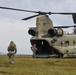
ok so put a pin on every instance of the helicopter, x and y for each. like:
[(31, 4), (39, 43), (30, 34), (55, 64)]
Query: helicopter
[(50, 40)]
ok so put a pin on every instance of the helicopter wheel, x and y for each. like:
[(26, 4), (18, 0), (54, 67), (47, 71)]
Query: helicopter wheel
[(60, 55)]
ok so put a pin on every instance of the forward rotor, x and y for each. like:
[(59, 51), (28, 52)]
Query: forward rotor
[(41, 13)]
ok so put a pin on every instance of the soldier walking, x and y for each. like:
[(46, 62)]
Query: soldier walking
[(12, 50)]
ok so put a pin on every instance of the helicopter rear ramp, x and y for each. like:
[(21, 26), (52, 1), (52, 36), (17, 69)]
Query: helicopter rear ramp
[(44, 50)]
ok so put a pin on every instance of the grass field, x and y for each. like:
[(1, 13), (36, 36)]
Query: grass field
[(26, 65)]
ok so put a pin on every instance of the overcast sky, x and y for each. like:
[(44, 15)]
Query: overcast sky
[(13, 28)]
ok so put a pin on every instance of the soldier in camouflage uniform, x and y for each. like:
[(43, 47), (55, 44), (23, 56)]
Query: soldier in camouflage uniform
[(12, 50), (34, 50)]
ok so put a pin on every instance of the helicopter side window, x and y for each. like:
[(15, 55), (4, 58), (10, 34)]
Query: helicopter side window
[(73, 42), (67, 42), (62, 43)]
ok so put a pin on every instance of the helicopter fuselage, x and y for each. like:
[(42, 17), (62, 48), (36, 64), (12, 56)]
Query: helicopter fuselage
[(50, 41), (57, 46)]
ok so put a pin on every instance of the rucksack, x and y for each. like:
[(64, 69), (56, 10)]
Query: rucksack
[(11, 47)]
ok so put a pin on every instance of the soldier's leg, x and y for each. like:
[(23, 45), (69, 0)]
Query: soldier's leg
[(34, 54), (9, 57), (8, 54), (12, 58)]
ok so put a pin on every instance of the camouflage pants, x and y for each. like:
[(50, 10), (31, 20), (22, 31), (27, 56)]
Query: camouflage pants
[(34, 53), (11, 57)]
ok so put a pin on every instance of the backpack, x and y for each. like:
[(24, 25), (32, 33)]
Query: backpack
[(12, 47)]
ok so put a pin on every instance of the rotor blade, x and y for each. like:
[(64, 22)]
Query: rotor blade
[(63, 13), (61, 27), (30, 17), (17, 9), (36, 11), (25, 10), (64, 26), (74, 18)]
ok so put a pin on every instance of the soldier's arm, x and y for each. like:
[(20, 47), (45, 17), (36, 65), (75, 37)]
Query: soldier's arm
[(15, 50), (36, 48), (8, 48)]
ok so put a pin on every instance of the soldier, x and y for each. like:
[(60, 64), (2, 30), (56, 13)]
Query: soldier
[(34, 50), (12, 50)]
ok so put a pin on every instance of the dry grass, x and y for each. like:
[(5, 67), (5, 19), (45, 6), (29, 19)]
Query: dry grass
[(26, 65)]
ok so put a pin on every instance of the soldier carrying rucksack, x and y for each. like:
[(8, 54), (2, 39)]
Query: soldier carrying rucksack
[(12, 50)]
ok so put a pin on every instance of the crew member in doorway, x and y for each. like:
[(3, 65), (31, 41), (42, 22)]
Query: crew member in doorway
[(34, 50)]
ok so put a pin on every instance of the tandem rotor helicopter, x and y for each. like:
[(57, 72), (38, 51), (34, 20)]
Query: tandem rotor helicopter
[(50, 40)]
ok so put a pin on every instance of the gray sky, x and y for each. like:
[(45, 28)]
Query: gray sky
[(13, 28)]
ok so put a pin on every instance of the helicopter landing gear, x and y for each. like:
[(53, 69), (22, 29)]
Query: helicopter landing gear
[(60, 55)]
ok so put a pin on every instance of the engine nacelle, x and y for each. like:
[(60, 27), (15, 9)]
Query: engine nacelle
[(32, 31), (54, 32), (59, 32)]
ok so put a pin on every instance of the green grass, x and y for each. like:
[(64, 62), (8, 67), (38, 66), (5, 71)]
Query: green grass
[(26, 65)]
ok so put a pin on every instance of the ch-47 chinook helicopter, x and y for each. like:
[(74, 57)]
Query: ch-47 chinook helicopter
[(50, 40)]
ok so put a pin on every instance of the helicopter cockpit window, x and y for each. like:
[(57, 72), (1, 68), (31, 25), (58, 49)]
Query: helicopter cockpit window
[(67, 42)]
